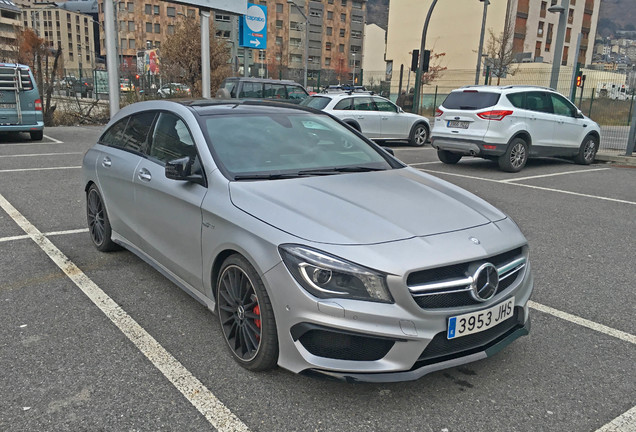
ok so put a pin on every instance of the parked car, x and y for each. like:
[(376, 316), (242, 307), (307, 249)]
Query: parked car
[(20, 102), (287, 224), (83, 86), (261, 88), (375, 117), (126, 85), (510, 124), (174, 90)]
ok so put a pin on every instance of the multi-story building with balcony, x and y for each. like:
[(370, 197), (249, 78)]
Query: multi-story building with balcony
[(9, 19)]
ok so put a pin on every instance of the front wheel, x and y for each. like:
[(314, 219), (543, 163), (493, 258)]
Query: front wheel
[(587, 151), (515, 157), (98, 222), (447, 157), (419, 135), (246, 315)]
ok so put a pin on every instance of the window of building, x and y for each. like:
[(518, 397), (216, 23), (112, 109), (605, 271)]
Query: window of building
[(131, 44), (537, 49), (155, 9), (221, 18), (279, 40), (356, 34), (343, 2), (540, 29), (356, 18), (355, 48), (131, 7), (342, 32), (568, 34), (328, 46), (171, 11), (315, 13), (327, 61), (293, 25), (279, 24), (343, 17), (170, 29), (192, 13), (157, 28), (356, 4), (329, 15), (341, 48), (148, 27), (571, 16), (544, 8), (313, 28), (295, 58), (148, 9), (279, 8), (295, 42), (329, 31)]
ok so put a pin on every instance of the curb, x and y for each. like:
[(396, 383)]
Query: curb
[(617, 159)]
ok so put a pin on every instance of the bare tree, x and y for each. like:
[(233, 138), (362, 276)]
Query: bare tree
[(181, 57), (435, 69), (501, 54)]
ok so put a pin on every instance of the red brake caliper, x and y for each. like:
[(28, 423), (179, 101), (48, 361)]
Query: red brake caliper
[(257, 311)]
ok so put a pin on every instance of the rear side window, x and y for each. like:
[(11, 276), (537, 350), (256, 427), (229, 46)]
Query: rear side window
[(344, 104), (518, 100), (317, 102), (13, 79), (363, 104), (539, 101), (296, 93), (274, 91), (130, 133), (251, 90), (470, 100)]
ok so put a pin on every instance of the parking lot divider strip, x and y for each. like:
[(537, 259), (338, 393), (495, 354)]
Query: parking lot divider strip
[(624, 423), (39, 169), (529, 186), (583, 322), (215, 412)]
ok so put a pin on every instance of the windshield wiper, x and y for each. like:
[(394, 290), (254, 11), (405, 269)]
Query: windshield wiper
[(265, 176), (336, 170)]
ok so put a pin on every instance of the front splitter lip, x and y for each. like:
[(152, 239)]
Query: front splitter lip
[(418, 373)]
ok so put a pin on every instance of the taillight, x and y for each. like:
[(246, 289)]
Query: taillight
[(438, 112), (494, 115), (38, 104)]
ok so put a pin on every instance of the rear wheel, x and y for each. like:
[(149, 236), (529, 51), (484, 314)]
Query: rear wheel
[(419, 135), (98, 223), (36, 135), (515, 157), (447, 157), (587, 151), (246, 315)]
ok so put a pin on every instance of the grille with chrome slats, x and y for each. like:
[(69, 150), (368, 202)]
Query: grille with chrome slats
[(450, 286)]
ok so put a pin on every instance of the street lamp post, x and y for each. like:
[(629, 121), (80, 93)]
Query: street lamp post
[(481, 40), (558, 44), (291, 3), (354, 69), (420, 67)]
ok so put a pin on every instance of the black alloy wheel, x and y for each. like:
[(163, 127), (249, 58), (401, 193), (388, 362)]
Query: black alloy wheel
[(246, 315), (98, 223)]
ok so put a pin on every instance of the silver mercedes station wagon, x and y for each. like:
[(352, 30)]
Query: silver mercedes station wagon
[(317, 250)]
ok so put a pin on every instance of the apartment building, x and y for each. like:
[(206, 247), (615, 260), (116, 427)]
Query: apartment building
[(455, 28), (73, 31), (9, 19)]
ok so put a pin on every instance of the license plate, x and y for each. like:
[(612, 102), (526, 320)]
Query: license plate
[(458, 124), (7, 105), (475, 322)]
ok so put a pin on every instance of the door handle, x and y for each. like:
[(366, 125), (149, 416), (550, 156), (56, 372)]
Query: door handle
[(106, 162), (385, 118), (360, 117), (144, 175)]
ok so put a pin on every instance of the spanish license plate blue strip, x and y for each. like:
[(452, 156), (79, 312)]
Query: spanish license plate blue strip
[(475, 322)]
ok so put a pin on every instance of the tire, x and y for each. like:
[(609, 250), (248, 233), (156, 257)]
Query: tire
[(246, 315), (36, 135), (447, 157), (419, 135), (515, 157), (98, 224), (587, 151)]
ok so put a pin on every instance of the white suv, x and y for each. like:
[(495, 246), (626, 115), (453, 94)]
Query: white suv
[(375, 117), (510, 124)]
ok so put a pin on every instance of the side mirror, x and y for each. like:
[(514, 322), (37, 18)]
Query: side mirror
[(389, 150), (579, 114), (400, 110), (181, 169)]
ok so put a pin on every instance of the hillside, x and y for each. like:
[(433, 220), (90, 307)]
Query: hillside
[(378, 12)]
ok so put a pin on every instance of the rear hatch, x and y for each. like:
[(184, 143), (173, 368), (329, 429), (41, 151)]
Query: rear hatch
[(15, 82), (458, 114)]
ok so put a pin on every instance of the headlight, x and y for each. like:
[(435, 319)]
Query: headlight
[(327, 276)]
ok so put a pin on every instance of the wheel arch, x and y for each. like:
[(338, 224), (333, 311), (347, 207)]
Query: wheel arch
[(594, 134), (524, 135), (354, 124)]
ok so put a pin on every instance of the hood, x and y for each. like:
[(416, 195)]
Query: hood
[(362, 208)]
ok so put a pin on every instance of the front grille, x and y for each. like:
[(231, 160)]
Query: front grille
[(324, 343), (440, 348), (458, 294)]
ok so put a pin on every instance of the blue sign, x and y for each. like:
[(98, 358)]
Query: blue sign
[(253, 27)]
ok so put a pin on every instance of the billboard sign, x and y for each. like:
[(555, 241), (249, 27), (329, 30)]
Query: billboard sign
[(253, 27), (237, 7)]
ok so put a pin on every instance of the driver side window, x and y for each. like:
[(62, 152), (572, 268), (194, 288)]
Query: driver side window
[(562, 106), (171, 140)]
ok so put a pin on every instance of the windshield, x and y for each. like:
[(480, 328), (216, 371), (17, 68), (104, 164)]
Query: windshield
[(275, 145), (318, 102)]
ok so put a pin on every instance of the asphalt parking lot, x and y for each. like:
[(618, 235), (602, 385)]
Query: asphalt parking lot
[(94, 341)]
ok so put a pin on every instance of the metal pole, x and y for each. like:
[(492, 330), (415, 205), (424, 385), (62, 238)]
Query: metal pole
[(205, 52), (400, 82), (354, 69), (575, 70), (631, 141), (418, 75), (481, 40), (111, 57), (306, 46), (558, 45)]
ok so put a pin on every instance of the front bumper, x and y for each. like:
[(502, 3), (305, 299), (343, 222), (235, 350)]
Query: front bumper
[(366, 341)]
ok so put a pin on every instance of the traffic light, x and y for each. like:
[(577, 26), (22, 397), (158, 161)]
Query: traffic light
[(137, 76), (414, 59), (580, 79), (426, 58)]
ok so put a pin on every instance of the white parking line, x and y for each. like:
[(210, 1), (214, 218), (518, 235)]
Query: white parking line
[(40, 154), (39, 169), (424, 163), (48, 234), (53, 139), (584, 323), (219, 416), (624, 423), (33, 143), (552, 175), (530, 186)]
